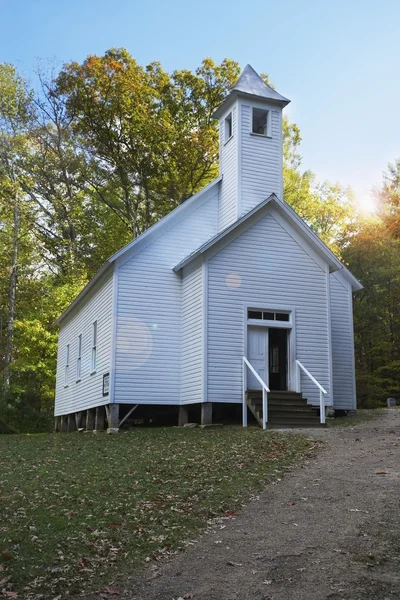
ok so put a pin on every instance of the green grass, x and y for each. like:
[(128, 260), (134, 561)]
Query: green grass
[(78, 508), (361, 416)]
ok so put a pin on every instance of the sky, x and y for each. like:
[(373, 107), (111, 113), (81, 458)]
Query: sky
[(337, 60)]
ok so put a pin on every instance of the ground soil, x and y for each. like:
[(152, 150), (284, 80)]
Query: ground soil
[(327, 530)]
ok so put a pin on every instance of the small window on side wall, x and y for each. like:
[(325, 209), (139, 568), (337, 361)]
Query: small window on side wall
[(66, 374), (94, 347), (228, 127), (260, 121), (79, 359)]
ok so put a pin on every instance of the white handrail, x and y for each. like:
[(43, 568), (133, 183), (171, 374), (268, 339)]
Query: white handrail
[(265, 391), (322, 391)]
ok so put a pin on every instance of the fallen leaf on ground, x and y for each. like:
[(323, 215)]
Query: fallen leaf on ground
[(231, 514), (112, 591), (381, 473), (233, 564)]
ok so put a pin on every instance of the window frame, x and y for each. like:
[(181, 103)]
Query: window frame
[(267, 128), (66, 370), (79, 359), (95, 331), (228, 127), (270, 322)]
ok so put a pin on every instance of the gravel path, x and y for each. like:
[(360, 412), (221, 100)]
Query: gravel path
[(328, 530)]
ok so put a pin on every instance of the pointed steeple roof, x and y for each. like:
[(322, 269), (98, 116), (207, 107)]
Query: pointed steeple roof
[(250, 84)]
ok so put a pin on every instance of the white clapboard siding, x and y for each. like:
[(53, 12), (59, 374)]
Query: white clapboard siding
[(344, 390), (192, 334), (88, 392), (149, 323), (260, 160), (266, 268), (228, 169)]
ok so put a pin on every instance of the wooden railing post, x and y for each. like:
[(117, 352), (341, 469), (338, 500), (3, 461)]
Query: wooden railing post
[(244, 404), (322, 406), (265, 409)]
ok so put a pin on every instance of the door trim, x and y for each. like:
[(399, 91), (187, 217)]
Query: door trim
[(290, 325)]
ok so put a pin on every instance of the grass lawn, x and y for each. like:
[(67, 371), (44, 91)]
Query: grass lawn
[(78, 509), (361, 416)]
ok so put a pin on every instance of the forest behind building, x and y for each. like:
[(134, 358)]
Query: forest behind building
[(94, 154)]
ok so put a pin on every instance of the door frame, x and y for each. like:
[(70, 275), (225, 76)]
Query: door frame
[(291, 337)]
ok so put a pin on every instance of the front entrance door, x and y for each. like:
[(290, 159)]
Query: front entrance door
[(257, 355), (278, 359), (271, 343)]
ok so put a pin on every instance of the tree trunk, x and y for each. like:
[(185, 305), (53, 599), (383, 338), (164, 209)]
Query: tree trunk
[(11, 300)]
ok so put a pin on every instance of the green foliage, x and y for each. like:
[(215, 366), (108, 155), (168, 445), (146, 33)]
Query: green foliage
[(77, 507), (374, 257), (389, 199)]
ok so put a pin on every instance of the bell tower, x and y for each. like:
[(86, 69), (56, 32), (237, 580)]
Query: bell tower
[(250, 134)]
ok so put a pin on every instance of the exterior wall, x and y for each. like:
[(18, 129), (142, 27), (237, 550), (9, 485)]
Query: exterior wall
[(260, 159), (149, 312), (88, 392), (264, 267), (344, 387), (228, 210), (192, 334)]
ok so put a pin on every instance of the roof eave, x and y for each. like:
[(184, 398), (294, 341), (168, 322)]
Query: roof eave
[(237, 93), (88, 287)]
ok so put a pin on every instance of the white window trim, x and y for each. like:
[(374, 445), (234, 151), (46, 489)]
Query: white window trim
[(66, 371), (227, 139), (273, 322), (79, 359), (94, 347), (269, 123)]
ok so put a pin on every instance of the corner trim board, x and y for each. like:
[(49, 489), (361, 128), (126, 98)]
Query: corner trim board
[(114, 333)]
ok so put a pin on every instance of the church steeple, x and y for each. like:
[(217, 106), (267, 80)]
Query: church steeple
[(250, 124)]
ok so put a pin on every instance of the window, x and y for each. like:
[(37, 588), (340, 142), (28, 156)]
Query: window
[(94, 346), (282, 316), (268, 315), (79, 359), (228, 127), (66, 374), (254, 314), (260, 121)]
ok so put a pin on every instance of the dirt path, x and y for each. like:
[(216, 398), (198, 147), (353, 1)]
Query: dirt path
[(329, 530)]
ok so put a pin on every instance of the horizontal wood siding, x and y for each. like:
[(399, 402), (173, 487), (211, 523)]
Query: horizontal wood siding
[(342, 345), (260, 161), (149, 322), (228, 168), (88, 392), (192, 334), (266, 268)]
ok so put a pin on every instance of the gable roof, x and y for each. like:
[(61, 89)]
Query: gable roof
[(334, 263), (152, 232), (252, 85)]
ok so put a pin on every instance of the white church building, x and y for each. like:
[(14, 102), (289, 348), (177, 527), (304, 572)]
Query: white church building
[(231, 298)]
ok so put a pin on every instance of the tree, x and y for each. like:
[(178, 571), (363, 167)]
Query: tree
[(374, 258), (389, 199), (148, 135), (15, 112)]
